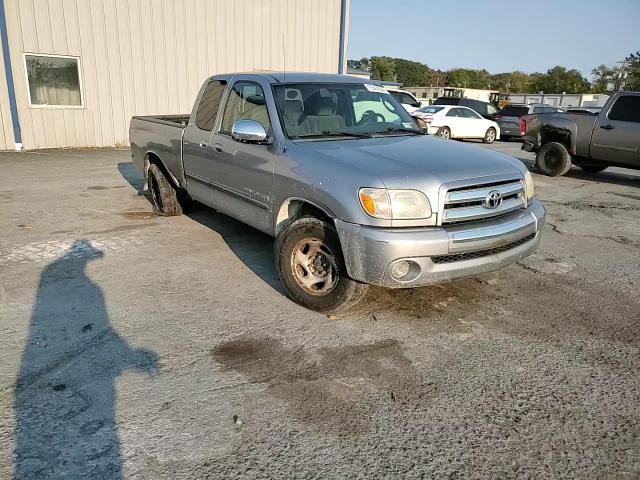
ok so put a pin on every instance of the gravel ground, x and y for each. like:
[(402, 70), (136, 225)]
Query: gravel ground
[(134, 346)]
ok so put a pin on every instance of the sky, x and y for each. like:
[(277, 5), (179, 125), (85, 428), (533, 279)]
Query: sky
[(497, 35)]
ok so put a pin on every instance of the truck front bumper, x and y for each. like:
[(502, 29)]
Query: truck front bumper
[(440, 254)]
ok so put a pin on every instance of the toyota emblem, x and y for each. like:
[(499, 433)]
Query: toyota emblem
[(493, 199)]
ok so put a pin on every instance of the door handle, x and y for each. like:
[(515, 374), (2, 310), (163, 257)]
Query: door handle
[(607, 127), (203, 145), (218, 147)]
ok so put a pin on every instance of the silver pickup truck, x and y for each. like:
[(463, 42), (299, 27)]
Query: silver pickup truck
[(336, 170), (591, 141)]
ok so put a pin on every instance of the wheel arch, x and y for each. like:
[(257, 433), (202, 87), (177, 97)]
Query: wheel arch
[(153, 158), (560, 135), (296, 207)]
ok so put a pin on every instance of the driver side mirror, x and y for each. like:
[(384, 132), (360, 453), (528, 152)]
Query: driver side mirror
[(248, 131)]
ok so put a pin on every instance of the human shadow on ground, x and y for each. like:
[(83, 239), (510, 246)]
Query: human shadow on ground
[(65, 397)]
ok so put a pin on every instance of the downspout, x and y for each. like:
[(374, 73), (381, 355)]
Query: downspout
[(17, 135), (343, 33)]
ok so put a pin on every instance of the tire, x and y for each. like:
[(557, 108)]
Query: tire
[(164, 196), (444, 132), (490, 135), (322, 285), (553, 159), (593, 168)]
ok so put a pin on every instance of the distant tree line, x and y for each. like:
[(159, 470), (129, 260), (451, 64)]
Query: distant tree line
[(556, 80)]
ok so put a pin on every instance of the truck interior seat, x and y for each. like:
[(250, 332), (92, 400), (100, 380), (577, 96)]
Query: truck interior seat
[(320, 116)]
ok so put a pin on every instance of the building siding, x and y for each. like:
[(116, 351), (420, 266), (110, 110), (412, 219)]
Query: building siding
[(146, 57)]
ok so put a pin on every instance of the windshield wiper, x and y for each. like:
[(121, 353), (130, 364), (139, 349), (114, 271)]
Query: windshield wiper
[(402, 129), (351, 134), (336, 133)]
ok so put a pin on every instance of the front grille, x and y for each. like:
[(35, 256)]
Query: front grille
[(465, 204), (459, 257)]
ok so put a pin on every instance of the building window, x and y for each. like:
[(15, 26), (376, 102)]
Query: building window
[(53, 80)]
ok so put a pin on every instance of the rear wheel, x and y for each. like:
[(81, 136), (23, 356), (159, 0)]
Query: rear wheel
[(593, 168), (553, 159), (312, 269), (489, 136), (444, 132), (164, 196)]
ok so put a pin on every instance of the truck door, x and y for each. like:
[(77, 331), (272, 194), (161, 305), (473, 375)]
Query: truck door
[(196, 142), (242, 173), (616, 135)]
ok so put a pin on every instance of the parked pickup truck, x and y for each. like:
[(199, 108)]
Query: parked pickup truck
[(352, 190), (592, 141)]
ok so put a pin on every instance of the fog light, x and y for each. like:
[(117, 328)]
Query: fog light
[(400, 269)]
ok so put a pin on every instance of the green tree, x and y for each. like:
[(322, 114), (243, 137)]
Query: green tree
[(558, 79), (605, 79), (383, 68), (410, 73), (632, 69)]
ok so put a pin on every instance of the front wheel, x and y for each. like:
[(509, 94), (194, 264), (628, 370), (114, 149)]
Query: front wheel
[(553, 159), (444, 132), (489, 136), (312, 269)]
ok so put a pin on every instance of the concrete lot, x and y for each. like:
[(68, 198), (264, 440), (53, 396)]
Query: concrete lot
[(143, 347)]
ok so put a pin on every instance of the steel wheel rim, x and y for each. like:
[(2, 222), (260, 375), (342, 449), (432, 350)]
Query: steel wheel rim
[(314, 266)]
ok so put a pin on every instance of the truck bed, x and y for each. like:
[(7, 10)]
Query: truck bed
[(160, 135), (578, 125)]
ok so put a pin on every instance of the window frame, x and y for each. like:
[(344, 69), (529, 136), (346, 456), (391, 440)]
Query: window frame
[(225, 99), (225, 84), (613, 106), (54, 55)]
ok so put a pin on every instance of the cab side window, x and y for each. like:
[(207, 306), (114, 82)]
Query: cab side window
[(626, 109), (209, 103), (246, 101)]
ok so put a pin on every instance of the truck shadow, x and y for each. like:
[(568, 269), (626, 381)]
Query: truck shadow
[(252, 247), (615, 178)]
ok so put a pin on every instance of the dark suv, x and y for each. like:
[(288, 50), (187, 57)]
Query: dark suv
[(509, 117), (486, 109)]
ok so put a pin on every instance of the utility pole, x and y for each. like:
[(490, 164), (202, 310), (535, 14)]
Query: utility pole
[(623, 75)]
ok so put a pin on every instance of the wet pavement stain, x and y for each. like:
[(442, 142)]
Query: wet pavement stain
[(102, 187), (323, 388), (138, 215), (121, 228)]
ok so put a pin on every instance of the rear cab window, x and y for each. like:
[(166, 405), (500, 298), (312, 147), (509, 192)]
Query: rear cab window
[(430, 110), (513, 111), (209, 104)]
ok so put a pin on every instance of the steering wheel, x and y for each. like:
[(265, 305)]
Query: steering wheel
[(368, 115)]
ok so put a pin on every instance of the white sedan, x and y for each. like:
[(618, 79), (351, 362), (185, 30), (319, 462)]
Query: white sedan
[(452, 121)]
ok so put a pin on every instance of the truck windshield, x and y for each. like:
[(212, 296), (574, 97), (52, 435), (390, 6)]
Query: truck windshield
[(317, 110)]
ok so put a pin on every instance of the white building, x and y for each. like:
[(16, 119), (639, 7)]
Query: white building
[(75, 71)]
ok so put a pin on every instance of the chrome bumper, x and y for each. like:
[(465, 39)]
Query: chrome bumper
[(440, 253)]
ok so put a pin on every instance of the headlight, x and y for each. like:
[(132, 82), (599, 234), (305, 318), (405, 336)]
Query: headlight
[(394, 204), (528, 185)]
